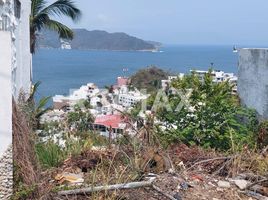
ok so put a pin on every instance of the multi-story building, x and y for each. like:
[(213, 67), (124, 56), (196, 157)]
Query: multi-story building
[(15, 61), (218, 77), (166, 83), (128, 98), (85, 92)]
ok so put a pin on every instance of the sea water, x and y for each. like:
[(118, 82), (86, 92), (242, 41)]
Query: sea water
[(62, 70)]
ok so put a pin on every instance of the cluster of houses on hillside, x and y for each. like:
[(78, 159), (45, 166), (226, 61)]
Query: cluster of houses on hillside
[(107, 105), (217, 75)]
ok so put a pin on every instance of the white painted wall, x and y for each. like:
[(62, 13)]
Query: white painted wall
[(22, 71), (6, 92), (15, 64)]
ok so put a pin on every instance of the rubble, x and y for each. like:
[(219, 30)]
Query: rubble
[(241, 184), (224, 184), (116, 177), (70, 178)]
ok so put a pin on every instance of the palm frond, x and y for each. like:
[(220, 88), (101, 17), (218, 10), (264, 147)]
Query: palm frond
[(63, 31), (33, 91), (39, 21), (63, 7), (42, 112), (41, 107), (40, 18), (37, 6), (42, 103)]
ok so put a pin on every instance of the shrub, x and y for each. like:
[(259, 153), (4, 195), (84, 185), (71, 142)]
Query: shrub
[(212, 119), (50, 154), (79, 120)]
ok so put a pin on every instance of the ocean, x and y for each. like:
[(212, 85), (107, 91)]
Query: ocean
[(62, 70)]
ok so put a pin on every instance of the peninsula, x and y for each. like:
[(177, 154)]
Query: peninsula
[(97, 40)]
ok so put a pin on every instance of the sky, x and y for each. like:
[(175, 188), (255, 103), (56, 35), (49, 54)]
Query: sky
[(192, 22)]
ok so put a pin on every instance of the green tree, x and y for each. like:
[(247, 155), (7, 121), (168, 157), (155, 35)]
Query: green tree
[(34, 109), (41, 18), (213, 117), (79, 120), (149, 79)]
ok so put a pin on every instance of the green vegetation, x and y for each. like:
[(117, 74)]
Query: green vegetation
[(41, 18), (23, 192), (79, 120), (34, 110), (70, 137), (211, 117), (49, 154), (149, 79)]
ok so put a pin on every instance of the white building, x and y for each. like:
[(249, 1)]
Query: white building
[(128, 98), (83, 93), (15, 61), (166, 83), (217, 75), (65, 44)]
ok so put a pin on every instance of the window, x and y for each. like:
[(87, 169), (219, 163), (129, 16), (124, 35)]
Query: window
[(4, 22), (17, 8)]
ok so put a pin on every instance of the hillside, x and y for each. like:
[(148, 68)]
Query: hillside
[(97, 40), (149, 78)]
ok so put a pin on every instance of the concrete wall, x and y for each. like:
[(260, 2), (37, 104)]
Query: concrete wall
[(15, 76), (22, 69), (6, 92), (253, 79)]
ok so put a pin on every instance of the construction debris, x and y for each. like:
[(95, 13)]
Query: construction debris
[(164, 193), (224, 184), (131, 185), (175, 177), (241, 184), (70, 178)]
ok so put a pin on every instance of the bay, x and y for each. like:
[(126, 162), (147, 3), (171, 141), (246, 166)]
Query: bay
[(62, 70)]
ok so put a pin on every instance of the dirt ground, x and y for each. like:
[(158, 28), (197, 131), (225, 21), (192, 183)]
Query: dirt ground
[(205, 189), (195, 175)]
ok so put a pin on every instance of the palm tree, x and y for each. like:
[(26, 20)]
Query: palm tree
[(41, 18)]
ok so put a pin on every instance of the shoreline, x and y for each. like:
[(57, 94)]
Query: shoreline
[(144, 50)]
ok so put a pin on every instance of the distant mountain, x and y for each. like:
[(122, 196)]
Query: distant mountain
[(96, 40), (156, 44)]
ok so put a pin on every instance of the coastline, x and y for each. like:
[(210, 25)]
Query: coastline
[(142, 50)]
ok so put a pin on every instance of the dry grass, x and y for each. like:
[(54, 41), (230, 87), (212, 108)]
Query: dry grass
[(23, 149), (28, 180), (250, 161)]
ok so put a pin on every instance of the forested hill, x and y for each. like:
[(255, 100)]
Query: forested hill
[(97, 40)]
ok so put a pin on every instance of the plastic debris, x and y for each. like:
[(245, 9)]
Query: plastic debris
[(70, 178)]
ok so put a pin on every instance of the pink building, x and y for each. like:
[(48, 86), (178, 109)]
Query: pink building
[(122, 81)]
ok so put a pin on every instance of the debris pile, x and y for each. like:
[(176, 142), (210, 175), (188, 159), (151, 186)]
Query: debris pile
[(177, 174)]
